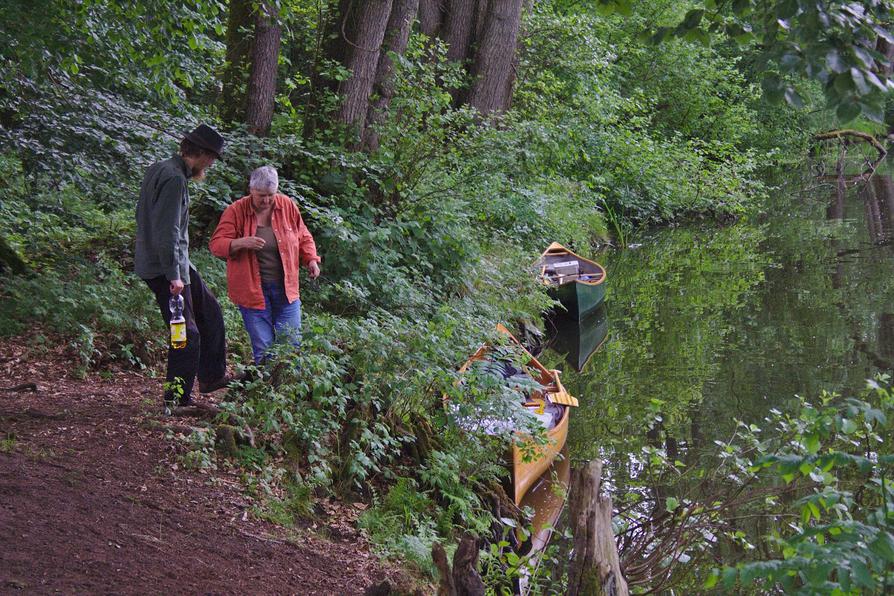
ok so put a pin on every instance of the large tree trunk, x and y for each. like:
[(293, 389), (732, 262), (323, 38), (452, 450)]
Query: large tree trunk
[(403, 12), (458, 28), (431, 15), (362, 30), (239, 36), (494, 72), (264, 62)]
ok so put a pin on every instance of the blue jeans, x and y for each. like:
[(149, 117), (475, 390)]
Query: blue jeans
[(279, 320)]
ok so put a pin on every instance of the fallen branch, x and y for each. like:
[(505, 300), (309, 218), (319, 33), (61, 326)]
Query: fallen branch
[(846, 133)]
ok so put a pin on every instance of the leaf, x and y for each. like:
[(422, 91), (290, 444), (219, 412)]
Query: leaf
[(862, 575), (876, 113), (811, 442), (712, 579), (844, 578), (814, 510), (834, 63), (883, 546), (787, 9), (878, 84), (860, 81), (843, 83), (740, 7), (671, 504), (883, 33), (848, 111), (805, 468), (790, 61), (729, 577), (692, 19), (772, 86), (864, 57)]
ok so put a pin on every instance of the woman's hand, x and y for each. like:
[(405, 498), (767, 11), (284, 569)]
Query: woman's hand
[(314, 269), (247, 243)]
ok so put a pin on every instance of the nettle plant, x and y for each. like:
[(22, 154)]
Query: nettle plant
[(802, 503), (834, 532)]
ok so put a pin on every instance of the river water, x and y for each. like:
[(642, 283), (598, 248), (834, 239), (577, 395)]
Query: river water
[(708, 324)]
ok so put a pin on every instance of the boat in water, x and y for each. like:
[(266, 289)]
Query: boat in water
[(545, 398), (578, 283)]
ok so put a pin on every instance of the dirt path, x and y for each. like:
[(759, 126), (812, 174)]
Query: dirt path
[(93, 500)]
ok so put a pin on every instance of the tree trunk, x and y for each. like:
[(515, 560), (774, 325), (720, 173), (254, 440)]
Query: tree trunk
[(264, 62), (362, 30), (239, 37), (494, 72), (431, 15), (595, 569), (458, 28), (464, 579), (403, 12)]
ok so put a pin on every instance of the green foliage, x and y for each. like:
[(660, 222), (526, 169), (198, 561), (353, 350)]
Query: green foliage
[(403, 524), (426, 243), (838, 452), (295, 504), (155, 47), (649, 136), (831, 42)]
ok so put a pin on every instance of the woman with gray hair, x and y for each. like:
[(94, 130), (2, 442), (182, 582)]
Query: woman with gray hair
[(264, 240)]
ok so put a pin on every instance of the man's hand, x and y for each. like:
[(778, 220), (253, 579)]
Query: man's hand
[(176, 287), (314, 269)]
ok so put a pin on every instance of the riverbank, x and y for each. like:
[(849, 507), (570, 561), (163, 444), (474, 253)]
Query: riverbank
[(96, 498)]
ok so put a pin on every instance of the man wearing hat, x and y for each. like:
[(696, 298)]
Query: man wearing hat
[(161, 259)]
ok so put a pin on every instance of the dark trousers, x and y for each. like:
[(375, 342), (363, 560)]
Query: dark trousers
[(205, 354)]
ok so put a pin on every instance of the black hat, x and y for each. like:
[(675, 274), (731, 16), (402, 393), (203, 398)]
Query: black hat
[(207, 138)]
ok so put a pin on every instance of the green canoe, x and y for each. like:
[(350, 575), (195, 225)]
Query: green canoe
[(576, 282)]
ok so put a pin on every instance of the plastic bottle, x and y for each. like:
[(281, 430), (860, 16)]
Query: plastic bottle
[(178, 322)]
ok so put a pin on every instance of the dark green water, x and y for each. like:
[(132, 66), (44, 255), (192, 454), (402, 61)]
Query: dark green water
[(709, 324)]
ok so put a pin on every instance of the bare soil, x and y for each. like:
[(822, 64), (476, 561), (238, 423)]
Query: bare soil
[(94, 498)]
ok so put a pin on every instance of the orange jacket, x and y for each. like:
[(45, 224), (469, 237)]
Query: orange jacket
[(296, 246)]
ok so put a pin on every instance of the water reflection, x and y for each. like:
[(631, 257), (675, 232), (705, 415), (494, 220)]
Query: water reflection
[(577, 339), (547, 499), (878, 201), (711, 324)]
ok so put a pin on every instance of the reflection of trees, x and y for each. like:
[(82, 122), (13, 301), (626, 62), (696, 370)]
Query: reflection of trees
[(706, 329), (671, 299), (878, 201)]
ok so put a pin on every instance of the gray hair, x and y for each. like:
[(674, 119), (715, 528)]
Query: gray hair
[(264, 178)]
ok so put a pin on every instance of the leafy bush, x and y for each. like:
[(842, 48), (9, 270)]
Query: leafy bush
[(837, 453), (403, 525)]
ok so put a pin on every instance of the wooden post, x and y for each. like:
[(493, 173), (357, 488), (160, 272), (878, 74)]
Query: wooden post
[(595, 567), (464, 580)]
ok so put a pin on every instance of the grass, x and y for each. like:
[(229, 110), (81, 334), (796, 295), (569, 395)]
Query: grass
[(8, 445)]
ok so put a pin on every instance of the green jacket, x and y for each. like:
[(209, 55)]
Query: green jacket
[(162, 246)]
